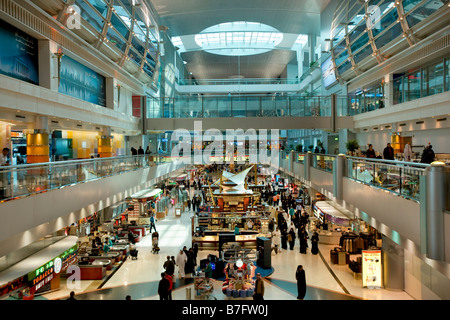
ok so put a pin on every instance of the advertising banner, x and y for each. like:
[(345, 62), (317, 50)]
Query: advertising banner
[(18, 54), (371, 269), (78, 81)]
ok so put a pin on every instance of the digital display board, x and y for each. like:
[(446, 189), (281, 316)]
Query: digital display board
[(328, 73)]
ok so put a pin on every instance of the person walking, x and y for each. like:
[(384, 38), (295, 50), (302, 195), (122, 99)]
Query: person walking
[(303, 236), (388, 152), (407, 153), (291, 238), (315, 243), (427, 155), (163, 287), (181, 263), (259, 288), (169, 266), (169, 291), (152, 223), (301, 282), (370, 153), (276, 239)]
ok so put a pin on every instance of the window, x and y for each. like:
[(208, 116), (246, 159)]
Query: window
[(413, 81), (433, 79), (423, 11), (447, 74)]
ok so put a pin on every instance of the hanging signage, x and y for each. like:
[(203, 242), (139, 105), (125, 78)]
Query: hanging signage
[(328, 73), (371, 269), (318, 213)]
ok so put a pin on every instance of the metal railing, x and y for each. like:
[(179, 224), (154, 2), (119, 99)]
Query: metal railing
[(243, 81), (23, 180), (398, 177)]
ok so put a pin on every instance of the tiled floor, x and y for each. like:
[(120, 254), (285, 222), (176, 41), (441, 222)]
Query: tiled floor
[(139, 278)]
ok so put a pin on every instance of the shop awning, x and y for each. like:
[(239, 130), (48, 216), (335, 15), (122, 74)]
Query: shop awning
[(37, 260), (335, 213), (147, 193)]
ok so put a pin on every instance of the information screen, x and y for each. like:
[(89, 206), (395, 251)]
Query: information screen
[(328, 73)]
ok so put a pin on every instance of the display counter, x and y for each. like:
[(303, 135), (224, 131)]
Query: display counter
[(211, 242), (113, 256), (104, 261), (124, 250), (329, 237), (95, 271), (144, 229)]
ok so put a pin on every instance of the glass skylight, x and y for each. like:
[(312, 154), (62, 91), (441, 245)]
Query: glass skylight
[(239, 38)]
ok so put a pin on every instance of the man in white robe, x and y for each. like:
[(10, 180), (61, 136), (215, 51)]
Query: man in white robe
[(181, 263)]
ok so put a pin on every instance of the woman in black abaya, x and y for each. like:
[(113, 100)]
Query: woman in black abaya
[(301, 282)]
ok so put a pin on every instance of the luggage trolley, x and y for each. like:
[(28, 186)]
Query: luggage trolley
[(155, 237)]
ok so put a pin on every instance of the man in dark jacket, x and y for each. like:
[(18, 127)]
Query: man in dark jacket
[(428, 154), (163, 287), (388, 152), (259, 288), (169, 266)]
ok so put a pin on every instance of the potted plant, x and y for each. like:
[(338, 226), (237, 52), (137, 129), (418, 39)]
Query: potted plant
[(352, 145)]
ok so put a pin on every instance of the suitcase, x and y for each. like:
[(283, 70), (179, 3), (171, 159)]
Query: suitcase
[(229, 292), (250, 293), (334, 257), (242, 293), (235, 294)]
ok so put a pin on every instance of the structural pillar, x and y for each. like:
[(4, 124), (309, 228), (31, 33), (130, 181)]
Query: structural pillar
[(38, 146), (338, 176), (105, 143), (308, 163), (436, 191), (393, 257), (291, 161)]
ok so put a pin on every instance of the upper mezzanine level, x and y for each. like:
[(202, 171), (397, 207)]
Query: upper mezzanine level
[(276, 111), (39, 199), (406, 201)]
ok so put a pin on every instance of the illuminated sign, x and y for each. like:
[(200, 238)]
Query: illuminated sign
[(328, 74), (371, 269), (60, 262)]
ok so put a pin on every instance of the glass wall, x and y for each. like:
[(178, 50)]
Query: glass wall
[(424, 82), (361, 23), (129, 25), (243, 106), (367, 100)]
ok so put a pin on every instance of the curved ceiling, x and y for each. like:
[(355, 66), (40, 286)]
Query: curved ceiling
[(288, 16), (187, 18)]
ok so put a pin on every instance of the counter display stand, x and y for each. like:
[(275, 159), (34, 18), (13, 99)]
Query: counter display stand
[(204, 287)]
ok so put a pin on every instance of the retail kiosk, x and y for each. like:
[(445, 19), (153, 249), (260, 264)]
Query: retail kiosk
[(232, 209)]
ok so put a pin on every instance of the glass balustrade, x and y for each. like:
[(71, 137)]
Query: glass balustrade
[(323, 162), (23, 180), (244, 106), (398, 177)]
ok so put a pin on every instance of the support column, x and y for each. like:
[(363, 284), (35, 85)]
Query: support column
[(105, 143), (291, 161), (436, 192), (38, 146), (338, 176), (393, 257), (308, 163)]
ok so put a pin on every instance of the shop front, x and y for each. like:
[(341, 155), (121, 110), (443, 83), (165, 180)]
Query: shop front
[(53, 261)]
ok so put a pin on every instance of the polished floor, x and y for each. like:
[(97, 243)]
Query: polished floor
[(139, 278)]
